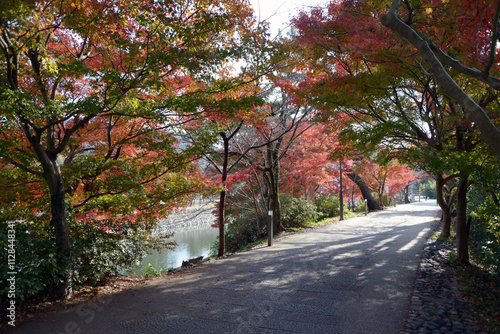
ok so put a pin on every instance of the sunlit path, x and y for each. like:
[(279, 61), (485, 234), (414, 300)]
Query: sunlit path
[(354, 276)]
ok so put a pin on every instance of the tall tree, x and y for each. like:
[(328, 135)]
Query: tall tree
[(226, 116), (478, 23), (386, 177), (255, 133), (390, 101), (285, 124), (66, 64)]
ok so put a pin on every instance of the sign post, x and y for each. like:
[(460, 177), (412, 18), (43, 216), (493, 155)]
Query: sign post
[(270, 229), (341, 195)]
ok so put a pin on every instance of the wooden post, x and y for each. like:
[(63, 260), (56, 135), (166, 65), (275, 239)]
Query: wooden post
[(341, 195), (270, 229)]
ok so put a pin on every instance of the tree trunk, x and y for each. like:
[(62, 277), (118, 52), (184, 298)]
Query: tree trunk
[(380, 198), (221, 217), (445, 208), (274, 194), (275, 205), (310, 194), (406, 194), (373, 204), (222, 212), (55, 183), (433, 57), (462, 228)]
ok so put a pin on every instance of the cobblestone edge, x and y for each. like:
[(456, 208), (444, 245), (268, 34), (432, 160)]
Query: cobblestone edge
[(436, 305)]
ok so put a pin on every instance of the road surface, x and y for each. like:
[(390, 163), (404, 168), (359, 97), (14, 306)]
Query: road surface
[(353, 276)]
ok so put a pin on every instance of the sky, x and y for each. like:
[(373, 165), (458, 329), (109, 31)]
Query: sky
[(279, 12)]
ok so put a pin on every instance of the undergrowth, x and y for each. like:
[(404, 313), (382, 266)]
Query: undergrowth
[(481, 289)]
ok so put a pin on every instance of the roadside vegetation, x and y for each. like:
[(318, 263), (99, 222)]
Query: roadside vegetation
[(479, 282), (297, 214), (481, 288), (114, 114)]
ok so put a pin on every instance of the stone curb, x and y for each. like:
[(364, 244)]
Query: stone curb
[(436, 305)]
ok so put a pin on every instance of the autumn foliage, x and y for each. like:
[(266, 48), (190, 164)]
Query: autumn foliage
[(93, 98), (115, 113)]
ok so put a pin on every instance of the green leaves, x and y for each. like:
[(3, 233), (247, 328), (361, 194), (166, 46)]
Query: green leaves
[(101, 92)]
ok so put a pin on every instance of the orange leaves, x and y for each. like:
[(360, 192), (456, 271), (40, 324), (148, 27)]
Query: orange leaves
[(345, 54), (128, 170), (440, 21), (307, 164), (342, 33), (392, 176)]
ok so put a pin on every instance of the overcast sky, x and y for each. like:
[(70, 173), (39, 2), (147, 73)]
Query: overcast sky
[(279, 12)]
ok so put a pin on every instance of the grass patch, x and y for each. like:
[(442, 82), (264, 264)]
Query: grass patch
[(437, 236), (151, 270), (327, 220), (319, 222), (482, 290), (252, 244)]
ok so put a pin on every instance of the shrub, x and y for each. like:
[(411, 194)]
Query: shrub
[(95, 253), (485, 233), (387, 201), (297, 212), (428, 188), (327, 207), (361, 207), (35, 260), (243, 230), (485, 226)]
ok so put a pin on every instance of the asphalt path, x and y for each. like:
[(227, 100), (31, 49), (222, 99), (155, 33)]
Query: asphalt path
[(353, 276)]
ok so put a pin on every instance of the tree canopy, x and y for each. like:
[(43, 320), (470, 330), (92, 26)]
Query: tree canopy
[(91, 94), (114, 113)]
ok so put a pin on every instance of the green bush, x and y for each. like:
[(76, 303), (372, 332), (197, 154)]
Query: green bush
[(485, 233), (428, 188), (361, 207), (243, 230), (297, 212), (387, 201), (95, 253), (327, 207), (35, 260), (485, 226)]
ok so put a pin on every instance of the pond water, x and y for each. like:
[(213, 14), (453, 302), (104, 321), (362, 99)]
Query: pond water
[(193, 234)]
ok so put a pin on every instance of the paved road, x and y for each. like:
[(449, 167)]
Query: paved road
[(351, 277)]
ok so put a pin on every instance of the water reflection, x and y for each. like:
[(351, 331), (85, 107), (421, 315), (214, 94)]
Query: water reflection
[(193, 235)]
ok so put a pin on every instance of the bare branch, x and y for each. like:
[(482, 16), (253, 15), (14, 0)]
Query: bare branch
[(490, 133), (484, 77)]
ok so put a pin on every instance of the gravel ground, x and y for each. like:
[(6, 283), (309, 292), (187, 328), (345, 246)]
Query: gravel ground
[(436, 305)]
